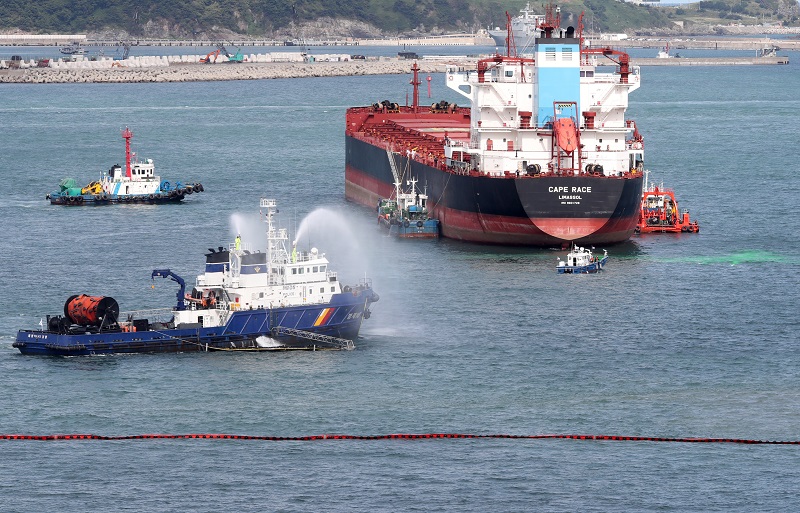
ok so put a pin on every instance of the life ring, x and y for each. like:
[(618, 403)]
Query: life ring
[(450, 77)]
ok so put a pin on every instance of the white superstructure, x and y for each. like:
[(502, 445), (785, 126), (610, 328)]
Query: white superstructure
[(241, 277), (558, 112)]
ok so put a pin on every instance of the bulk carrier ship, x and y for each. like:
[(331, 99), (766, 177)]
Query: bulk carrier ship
[(544, 156)]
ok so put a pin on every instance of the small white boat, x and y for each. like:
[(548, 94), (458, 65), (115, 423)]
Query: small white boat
[(581, 261), (73, 48)]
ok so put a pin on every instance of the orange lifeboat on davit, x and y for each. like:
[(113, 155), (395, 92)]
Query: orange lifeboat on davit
[(566, 135)]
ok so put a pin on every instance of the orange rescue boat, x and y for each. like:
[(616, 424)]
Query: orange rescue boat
[(659, 213)]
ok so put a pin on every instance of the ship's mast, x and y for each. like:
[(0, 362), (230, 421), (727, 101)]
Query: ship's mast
[(415, 82), (276, 251), (127, 134), (551, 21), (511, 45)]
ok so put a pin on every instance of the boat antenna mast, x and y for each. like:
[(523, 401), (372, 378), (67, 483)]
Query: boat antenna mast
[(276, 250), (551, 22)]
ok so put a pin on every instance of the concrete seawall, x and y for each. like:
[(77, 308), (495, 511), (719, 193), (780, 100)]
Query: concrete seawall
[(193, 72), (213, 72), (711, 61)]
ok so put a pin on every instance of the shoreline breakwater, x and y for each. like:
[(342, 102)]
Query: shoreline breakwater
[(190, 72)]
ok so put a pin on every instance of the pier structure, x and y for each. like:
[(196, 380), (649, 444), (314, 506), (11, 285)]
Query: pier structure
[(478, 39)]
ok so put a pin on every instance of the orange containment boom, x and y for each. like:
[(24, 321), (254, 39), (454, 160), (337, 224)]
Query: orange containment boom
[(91, 310)]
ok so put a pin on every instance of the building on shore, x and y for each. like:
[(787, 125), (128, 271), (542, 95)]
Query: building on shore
[(41, 39)]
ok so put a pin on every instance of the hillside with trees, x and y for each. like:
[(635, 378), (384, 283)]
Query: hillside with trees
[(298, 19)]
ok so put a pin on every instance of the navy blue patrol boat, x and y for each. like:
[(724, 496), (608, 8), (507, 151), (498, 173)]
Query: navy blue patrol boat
[(246, 299)]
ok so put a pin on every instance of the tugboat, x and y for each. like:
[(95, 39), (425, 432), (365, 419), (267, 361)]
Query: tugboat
[(659, 212), (137, 183), (581, 261), (407, 214), (246, 299)]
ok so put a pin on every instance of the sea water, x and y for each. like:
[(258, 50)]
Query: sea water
[(688, 335)]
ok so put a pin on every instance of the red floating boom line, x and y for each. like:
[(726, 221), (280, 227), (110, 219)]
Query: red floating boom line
[(396, 436)]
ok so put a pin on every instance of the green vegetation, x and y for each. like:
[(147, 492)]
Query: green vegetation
[(358, 18), (746, 12)]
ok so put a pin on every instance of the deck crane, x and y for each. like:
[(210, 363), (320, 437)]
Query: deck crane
[(166, 273)]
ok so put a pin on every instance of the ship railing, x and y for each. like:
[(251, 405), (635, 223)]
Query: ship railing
[(244, 247), (154, 314), (307, 256)]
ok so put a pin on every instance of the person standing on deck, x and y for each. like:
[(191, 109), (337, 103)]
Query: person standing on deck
[(237, 245)]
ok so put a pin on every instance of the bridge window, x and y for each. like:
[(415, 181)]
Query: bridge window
[(550, 53), (566, 54), (316, 268)]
